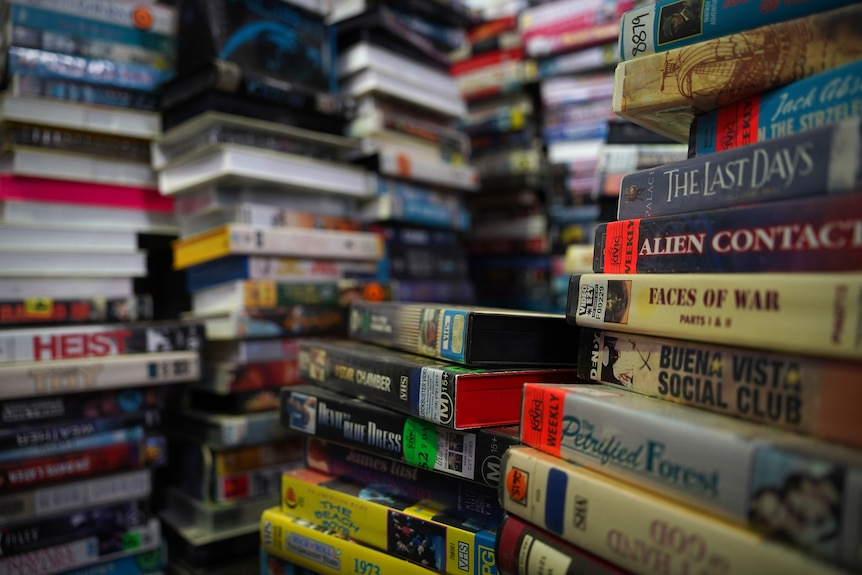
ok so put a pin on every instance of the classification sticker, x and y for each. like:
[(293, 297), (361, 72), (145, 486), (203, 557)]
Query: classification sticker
[(420, 443)]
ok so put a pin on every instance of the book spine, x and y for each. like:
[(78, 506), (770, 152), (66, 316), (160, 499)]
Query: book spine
[(99, 20), (249, 458), (721, 466), (33, 86), (55, 499), (78, 45), (249, 240), (757, 310), (23, 438), (324, 551), (88, 193), (734, 381), (42, 410), (386, 525), (652, 90), (413, 329), (94, 70), (633, 529), (808, 234), (97, 309), (523, 549), (47, 344), (666, 24), (355, 423), (250, 484), (93, 441), (825, 98), (265, 294), (141, 563), (815, 163), (26, 379), (578, 61), (102, 521), (241, 430), (33, 472), (84, 551), (359, 374), (456, 496)]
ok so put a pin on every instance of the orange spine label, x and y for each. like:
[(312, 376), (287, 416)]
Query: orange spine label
[(542, 418), (621, 247), (736, 125)]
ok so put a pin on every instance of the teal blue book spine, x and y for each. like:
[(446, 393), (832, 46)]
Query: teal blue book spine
[(669, 24)]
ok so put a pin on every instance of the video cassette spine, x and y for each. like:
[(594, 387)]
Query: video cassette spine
[(224, 431), (215, 517), (51, 500), (30, 86)]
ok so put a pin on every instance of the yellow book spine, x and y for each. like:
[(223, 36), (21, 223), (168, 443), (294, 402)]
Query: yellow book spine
[(413, 532), (808, 314), (634, 529), (324, 552), (202, 248)]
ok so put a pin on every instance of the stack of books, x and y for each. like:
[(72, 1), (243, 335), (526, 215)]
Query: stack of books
[(508, 242), (265, 195), (718, 322), (406, 423), (82, 407), (393, 60)]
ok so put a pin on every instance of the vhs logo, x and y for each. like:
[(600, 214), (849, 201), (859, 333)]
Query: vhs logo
[(463, 556), (517, 483)]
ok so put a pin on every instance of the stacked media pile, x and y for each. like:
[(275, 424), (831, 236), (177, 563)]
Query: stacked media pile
[(82, 402), (508, 242), (721, 322), (406, 422), (265, 201), (573, 45), (393, 61)]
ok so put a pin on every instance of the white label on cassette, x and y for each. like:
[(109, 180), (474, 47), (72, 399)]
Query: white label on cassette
[(430, 390), (456, 453), (234, 430)]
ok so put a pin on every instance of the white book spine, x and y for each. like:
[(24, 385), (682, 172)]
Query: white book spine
[(306, 242), (27, 379)]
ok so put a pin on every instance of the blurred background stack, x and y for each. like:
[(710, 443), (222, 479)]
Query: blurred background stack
[(84, 269), (266, 202), (393, 61), (508, 243)]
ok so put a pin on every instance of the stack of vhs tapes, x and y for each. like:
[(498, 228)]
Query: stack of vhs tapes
[(393, 60), (588, 148), (508, 242), (406, 422), (265, 196), (79, 110), (81, 407)]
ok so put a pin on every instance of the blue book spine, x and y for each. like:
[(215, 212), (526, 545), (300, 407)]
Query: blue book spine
[(669, 24), (92, 70), (820, 100), (93, 441), (575, 131), (66, 23), (217, 271), (810, 234), (819, 162)]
